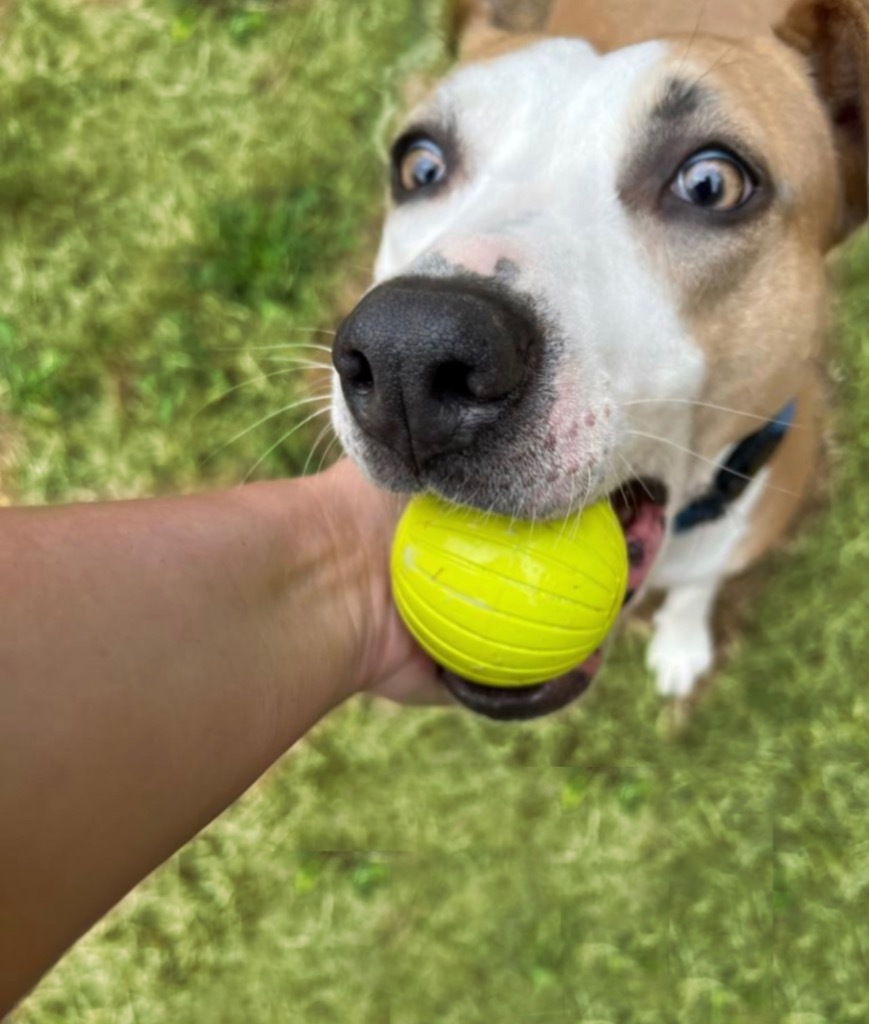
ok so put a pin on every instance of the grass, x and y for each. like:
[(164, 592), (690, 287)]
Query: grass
[(173, 210), (182, 185)]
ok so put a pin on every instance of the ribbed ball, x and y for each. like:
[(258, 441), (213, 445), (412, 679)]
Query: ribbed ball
[(504, 602)]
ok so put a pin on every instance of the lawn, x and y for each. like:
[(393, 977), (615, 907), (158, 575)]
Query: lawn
[(187, 189)]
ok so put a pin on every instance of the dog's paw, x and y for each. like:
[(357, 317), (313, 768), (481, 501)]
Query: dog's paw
[(681, 652)]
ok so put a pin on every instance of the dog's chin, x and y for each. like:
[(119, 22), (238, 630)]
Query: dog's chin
[(507, 480)]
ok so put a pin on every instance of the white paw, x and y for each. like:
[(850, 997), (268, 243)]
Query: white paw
[(680, 654)]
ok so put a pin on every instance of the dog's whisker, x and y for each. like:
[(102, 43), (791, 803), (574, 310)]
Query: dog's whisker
[(719, 60), (490, 511), (284, 347), (693, 38), (729, 511), (621, 486), (570, 505), (265, 419), (325, 454), (308, 364), (634, 475), (238, 387), (584, 503), (472, 500), (317, 440), (631, 474), (709, 405), (280, 441), (313, 330), (703, 458)]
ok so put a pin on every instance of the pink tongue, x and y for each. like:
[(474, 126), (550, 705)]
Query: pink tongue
[(644, 535)]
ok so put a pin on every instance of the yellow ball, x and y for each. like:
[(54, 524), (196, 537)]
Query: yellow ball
[(505, 602)]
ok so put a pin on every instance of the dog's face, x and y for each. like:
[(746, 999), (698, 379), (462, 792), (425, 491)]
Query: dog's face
[(595, 271)]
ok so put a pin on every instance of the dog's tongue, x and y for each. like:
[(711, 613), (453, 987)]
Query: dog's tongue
[(643, 520), (644, 524)]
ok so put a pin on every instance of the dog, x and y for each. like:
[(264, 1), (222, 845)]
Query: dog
[(602, 275)]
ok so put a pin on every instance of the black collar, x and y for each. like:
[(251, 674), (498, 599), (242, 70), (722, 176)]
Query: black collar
[(737, 471)]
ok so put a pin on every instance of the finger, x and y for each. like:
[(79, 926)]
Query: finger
[(415, 683)]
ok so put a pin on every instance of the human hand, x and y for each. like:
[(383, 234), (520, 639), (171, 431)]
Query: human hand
[(363, 518)]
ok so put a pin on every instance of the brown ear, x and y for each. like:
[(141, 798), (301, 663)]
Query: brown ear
[(834, 36), (477, 29)]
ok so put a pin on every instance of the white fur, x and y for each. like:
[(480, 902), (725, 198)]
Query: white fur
[(682, 650), (544, 134), (538, 185), (706, 552)]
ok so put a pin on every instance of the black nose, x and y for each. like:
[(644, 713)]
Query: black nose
[(427, 364)]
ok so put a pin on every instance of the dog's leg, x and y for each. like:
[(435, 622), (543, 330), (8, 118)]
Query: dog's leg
[(682, 649)]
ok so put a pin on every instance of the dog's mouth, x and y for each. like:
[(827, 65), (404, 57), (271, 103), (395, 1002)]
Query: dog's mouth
[(640, 507)]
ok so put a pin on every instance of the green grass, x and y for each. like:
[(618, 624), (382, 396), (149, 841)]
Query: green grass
[(182, 190), (183, 184)]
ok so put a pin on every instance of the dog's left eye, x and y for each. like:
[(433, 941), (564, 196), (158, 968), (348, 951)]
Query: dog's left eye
[(418, 163), (714, 180)]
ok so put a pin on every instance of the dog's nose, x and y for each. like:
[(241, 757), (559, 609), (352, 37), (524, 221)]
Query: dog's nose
[(428, 364)]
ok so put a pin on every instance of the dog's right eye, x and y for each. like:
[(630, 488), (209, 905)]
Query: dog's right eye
[(419, 163)]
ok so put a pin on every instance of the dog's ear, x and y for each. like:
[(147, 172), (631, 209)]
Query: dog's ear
[(462, 14), (470, 26), (477, 29), (833, 35)]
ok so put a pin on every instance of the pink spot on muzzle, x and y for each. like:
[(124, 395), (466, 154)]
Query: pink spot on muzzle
[(481, 255)]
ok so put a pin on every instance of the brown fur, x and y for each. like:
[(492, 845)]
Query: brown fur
[(833, 36), (737, 43), (730, 320), (512, 15), (618, 23)]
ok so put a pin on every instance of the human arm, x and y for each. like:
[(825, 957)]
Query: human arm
[(155, 658)]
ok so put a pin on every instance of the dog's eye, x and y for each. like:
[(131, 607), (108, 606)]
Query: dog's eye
[(714, 180), (419, 164)]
